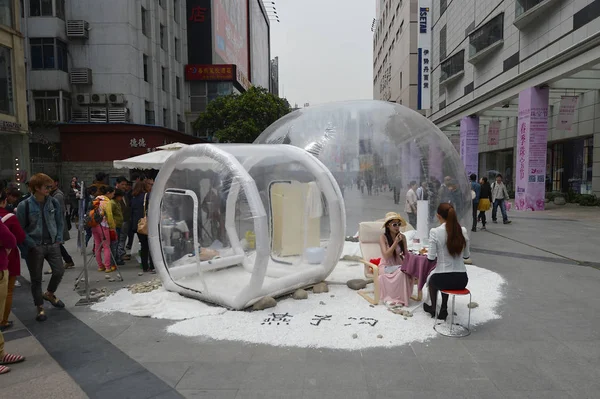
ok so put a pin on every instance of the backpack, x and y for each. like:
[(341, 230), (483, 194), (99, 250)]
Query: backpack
[(95, 215)]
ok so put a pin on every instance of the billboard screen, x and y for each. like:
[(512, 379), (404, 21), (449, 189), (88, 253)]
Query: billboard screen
[(259, 46), (199, 32), (230, 24)]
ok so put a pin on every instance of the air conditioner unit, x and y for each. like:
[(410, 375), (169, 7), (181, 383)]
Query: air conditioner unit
[(80, 115), (98, 115), (82, 98), (114, 98), (98, 98), (118, 114), (81, 76), (78, 29)]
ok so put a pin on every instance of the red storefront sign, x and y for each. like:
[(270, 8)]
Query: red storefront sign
[(210, 72), (198, 14)]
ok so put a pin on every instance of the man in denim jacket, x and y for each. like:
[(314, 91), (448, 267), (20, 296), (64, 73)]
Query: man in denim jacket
[(41, 218)]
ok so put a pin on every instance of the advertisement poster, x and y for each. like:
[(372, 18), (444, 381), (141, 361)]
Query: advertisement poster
[(494, 133), (566, 112), (231, 33), (424, 54), (469, 144), (531, 149)]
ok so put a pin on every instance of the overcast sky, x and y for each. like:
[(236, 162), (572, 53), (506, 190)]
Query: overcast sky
[(324, 49)]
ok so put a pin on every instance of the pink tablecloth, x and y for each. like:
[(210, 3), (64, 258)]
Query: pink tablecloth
[(418, 266)]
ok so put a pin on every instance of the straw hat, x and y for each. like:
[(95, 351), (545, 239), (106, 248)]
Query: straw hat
[(393, 216)]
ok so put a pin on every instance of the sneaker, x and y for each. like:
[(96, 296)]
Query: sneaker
[(48, 272), (494, 221), (474, 230), (69, 265), (483, 227), (17, 283), (110, 269), (507, 221), (100, 268)]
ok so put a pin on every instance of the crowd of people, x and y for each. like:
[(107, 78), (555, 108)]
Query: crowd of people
[(35, 226)]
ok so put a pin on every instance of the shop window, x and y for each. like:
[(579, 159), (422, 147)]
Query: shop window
[(49, 53), (6, 85), (486, 36), (40, 8), (453, 66), (145, 22), (6, 13)]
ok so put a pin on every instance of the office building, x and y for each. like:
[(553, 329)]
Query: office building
[(395, 53), (517, 83), (14, 141)]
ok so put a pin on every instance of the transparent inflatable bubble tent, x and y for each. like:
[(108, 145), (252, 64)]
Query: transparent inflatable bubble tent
[(230, 224), (239, 222)]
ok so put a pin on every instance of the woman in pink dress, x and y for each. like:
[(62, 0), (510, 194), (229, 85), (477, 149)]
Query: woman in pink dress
[(394, 285)]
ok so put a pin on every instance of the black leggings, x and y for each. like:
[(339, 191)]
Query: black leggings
[(445, 281), (145, 252)]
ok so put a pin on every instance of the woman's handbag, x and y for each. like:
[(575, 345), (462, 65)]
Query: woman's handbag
[(142, 226)]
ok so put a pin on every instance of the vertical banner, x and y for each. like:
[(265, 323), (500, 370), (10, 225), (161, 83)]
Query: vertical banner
[(424, 54), (566, 112), (531, 149), (469, 143), (199, 32), (494, 133), (422, 219)]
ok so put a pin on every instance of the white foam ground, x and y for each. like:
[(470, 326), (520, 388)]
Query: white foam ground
[(337, 332)]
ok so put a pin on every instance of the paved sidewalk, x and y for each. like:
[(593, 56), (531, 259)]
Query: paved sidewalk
[(547, 344)]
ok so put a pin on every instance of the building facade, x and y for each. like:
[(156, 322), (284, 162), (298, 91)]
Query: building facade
[(395, 53), (228, 51), (516, 84), (14, 140)]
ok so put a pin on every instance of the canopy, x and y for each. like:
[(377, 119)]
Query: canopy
[(151, 160)]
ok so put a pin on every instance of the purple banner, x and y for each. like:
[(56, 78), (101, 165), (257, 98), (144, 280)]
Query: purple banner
[(469, 144), (494, 133), (531, 149)]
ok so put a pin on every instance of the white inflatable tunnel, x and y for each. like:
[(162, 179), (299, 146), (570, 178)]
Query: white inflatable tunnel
[(232, 223)]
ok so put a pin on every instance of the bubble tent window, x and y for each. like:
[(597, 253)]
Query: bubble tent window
[(281, 195)]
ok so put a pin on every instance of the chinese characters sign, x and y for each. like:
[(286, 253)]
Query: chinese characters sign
[(494, 133), (568, 104), (531, 149), (469, 144), (424, 53), (210, 72), (198, 14)]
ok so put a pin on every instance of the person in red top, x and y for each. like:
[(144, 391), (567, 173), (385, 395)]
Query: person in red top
[(14, 262), (8, 244)]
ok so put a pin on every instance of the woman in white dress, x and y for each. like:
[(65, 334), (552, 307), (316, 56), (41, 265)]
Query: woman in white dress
[(449, 245)]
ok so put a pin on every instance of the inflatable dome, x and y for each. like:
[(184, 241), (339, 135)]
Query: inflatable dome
[(375, 149), (230, 224)]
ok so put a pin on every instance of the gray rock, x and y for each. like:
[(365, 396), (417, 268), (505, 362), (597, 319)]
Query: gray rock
[(356, 284), (355, 335), (111, 280), (472, 305), (380, 336), (300, 294), (322, 303), (140, 274), (107, 276), (264, 303), (559, 201), (332, 296), (320, 288)]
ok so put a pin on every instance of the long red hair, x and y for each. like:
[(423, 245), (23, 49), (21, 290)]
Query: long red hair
[(456, 241)]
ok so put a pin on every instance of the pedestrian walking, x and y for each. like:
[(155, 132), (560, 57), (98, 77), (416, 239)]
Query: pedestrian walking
[(60, 197), (41, 218), (485, 200), (411, 204), (476, 195), (499, 196)]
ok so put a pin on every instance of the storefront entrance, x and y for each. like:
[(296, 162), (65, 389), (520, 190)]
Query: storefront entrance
[(570, 166)]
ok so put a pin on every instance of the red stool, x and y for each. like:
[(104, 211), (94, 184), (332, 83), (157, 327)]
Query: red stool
[(456, 330)]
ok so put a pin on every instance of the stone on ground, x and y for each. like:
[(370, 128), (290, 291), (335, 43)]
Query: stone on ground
[(264, 303), (356, 284), (320, 288), (300, 294)]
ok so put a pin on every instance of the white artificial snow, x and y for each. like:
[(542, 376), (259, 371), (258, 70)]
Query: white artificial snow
[(158, 304), (344, 306)]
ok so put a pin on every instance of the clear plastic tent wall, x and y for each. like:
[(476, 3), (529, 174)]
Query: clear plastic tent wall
[(374, 150), (230, 224)]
